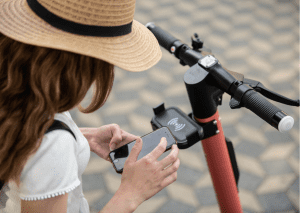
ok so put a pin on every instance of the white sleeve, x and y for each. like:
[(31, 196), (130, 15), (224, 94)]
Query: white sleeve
[(53, 169)]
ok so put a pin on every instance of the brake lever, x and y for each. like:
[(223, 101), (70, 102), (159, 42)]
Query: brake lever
[(259, 87)]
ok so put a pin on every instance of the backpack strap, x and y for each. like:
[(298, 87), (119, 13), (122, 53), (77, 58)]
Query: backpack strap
[(1, 185), (59, 125), (56, 125)]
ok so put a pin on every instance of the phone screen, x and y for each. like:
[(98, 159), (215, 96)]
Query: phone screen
[(150, 141)]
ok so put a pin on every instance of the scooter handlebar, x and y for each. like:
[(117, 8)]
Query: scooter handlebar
[(164, 38), (252, 100), (259, 105)]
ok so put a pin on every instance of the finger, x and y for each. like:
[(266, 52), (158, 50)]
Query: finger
[(159, 149), (171, 158), (168, 180), (116, 136), (171, 169), (126, 138), (135, 151)]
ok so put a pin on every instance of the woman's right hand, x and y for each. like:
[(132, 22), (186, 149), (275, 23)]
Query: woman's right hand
[(144, 178)]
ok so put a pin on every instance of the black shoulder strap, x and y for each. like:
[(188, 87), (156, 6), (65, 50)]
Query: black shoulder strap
[(59, 125), (1, 185), (56, 125)]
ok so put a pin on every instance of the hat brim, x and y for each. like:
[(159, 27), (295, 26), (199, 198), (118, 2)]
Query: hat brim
[(135, 52)]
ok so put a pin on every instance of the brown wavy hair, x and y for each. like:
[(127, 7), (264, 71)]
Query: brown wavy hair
[(35, 83)]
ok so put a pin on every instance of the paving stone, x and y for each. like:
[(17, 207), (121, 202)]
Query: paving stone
[(274, 138), (191, 159), (161, 194), (294, 198), (249, 181), (93, 196), (125, 95), (278, 151), (93, 182), (176, 206), (121, 119), (276, 167), (182, 193), (197, 148), (151, 205), (102, 202), (276, 202), (250, 165), (249, 148), (295, 186), (229, 131), (251, 120), (206, 196), (96, 165), (209, 209), (296, 153), (187, 175), (250, 201), (276, 183)]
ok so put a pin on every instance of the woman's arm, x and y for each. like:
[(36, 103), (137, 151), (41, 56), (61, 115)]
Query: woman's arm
[(88, 133), (121, 203)]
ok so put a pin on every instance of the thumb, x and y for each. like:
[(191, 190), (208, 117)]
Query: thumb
[(135, 151)]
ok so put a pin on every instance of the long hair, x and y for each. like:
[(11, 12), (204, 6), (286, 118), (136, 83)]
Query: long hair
[(35, 83)]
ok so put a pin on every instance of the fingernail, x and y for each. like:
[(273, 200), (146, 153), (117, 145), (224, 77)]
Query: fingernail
[(112, 147)]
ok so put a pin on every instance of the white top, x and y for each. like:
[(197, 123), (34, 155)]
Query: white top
[(55, 169)]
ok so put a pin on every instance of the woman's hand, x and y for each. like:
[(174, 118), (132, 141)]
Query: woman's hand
[(144, 178), (107, 138)]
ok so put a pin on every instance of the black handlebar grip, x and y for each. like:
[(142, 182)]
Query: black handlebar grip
[(165, 39), (258, 104)]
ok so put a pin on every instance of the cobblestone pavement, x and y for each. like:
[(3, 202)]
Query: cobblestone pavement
[(259, 39)]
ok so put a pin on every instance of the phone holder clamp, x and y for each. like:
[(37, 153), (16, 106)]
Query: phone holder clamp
[(184, 128)]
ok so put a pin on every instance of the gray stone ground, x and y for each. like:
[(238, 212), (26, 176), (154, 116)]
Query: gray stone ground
[(259, 39)]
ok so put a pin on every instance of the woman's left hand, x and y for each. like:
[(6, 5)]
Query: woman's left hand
[(107, 138)]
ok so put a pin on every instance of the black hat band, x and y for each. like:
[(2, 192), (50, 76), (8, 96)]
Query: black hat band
[(75, 28)]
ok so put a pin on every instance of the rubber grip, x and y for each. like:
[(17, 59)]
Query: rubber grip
[(258, 104), (164, 39)]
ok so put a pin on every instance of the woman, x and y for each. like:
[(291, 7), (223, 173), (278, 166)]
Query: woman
[(51, 52)]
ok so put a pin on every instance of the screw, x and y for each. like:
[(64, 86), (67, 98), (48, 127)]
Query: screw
[(217, 132), (215, 122)]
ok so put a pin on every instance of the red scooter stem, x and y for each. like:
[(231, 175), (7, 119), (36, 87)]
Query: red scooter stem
[(220, 168)]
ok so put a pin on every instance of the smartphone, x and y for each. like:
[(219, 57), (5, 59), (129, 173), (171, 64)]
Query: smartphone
[(150, 141)]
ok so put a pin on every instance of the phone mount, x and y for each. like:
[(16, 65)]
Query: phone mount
[(187, 131), (184, 128)]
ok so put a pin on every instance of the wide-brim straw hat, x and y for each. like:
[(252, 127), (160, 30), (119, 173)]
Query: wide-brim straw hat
[(103, 29)]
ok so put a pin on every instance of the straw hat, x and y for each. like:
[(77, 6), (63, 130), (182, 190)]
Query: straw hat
[(103, 29)]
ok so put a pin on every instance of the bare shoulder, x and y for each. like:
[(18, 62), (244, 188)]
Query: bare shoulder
[(57, 204)]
